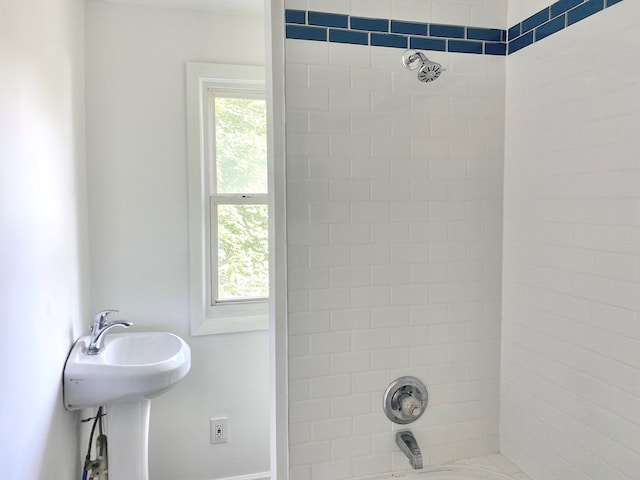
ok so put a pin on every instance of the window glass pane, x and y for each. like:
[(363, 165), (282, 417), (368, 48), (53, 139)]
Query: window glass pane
[(241, 145), (243, 252)]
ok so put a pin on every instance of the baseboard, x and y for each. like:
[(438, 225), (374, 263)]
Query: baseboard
[(251, 476)]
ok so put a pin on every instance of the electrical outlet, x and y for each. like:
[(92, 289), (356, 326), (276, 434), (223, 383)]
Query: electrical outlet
[(219, 431)]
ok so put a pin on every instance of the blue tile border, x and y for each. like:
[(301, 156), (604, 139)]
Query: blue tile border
[(409, 28), (423, 43), (295, 16), (549, 28), (465, 46), (327, 19), (520, 42), (369, 24), (562, 6), (300, 32), (552, 19), (348, 36), (535, 20), (583, 11), (446, 31), (381, 32), (389, 40), (488, 34)]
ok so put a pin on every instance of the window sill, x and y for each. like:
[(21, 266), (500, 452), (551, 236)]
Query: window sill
[(233, 319)]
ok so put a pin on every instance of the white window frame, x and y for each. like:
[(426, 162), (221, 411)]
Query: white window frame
[(232, 316)]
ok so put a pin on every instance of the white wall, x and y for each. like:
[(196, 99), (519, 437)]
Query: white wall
[(394, 246), (42, 232), (570, 394), (138, 201)]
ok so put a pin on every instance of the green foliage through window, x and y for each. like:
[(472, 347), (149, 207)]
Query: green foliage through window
[(241, 173), (243, 251), (241, 145)]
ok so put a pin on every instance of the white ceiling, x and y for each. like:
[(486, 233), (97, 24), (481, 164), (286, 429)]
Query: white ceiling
[(245, 6)]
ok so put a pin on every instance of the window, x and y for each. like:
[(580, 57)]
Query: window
[(239, 219), (228, 201)]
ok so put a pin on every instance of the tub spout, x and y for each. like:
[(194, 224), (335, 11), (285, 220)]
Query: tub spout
[(409, 446)]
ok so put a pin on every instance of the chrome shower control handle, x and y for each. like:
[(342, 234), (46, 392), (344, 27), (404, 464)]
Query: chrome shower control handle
[(410, 406), (405, 400)]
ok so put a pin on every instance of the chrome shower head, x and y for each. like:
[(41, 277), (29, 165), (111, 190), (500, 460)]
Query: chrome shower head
[(428, 70)]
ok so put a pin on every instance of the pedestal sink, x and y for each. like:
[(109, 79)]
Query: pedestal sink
[(132, 369)]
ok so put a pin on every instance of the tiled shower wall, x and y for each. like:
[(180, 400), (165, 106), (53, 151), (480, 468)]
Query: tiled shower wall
[(570, 388), (394, 244), (477, 13)]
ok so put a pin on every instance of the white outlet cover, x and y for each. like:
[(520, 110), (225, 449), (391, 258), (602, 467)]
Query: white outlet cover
[(218, 430)]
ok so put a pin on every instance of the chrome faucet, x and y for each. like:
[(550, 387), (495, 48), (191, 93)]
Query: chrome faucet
[(409, 446), (99, 330)]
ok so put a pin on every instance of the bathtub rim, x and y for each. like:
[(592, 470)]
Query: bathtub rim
[(447, 467)]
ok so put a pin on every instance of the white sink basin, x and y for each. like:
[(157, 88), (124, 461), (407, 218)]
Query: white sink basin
[(132, 367)]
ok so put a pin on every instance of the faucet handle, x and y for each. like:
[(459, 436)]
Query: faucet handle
[(101, 317)]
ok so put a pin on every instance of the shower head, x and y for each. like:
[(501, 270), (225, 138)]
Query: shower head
[(428, 71)]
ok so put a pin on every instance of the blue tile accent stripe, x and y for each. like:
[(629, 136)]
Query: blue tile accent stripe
[(464, 46), (488, 34), (328, 19), (409, 28), (380, 32), (370, 24), (562, 6), (446, 31), (422, 43), (348, 36), (552, 19), (389, 40), (521, 42), (300, 32), (584, 10), (295, 16), (534, 20), (495, 48), (514, 32), (549, 28)]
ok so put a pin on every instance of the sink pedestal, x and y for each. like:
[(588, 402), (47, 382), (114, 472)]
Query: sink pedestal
[(128, 435)]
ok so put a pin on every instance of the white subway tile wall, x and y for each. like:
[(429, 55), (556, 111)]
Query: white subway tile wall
[(394, 234), (479, 13), (570, 373), (520, 9)]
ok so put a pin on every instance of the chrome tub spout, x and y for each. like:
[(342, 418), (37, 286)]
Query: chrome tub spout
[(409, 446)]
